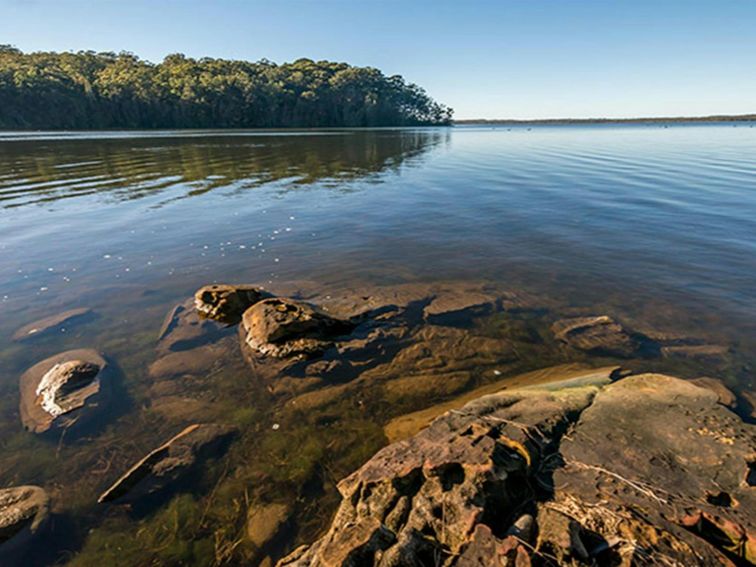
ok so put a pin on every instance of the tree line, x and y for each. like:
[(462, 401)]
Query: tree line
[(89, 90)]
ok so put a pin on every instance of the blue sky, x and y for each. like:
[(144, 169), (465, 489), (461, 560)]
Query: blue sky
[(492, 59)]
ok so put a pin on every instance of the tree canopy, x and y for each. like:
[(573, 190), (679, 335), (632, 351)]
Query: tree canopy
[(88, 90)]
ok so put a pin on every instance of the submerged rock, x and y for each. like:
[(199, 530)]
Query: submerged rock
[(226, 303), (183, 329), (49, 324), (170, 461), (599, 335), (711, 352), (266, 522), (63, 390), (280, 328), (23, 512), (580, 474)]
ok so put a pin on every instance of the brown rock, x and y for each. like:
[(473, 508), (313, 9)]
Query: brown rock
[(49, 324), (170, 461), (63, 390), (695, 351), (468, 466), (448, 301), (280, 327), (265, 523), (481, 480), (724, 394), (407, 425), (226, 303), (24, 510), (600, 335), (184, 329), (195, 361)]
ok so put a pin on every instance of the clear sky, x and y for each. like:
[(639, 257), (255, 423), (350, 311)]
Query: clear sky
[(486, 59)]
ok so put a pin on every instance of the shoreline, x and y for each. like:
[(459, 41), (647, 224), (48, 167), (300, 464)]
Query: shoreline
[(641, 120)]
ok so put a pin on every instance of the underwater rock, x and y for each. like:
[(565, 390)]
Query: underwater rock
[(599, 335), (451, 300), (597, 473), (184, 329), (226, 303), (711, 352), (280, 328), (170, 461), (24, 510), (266, 522), (63, 390), (196, 361), (49, 324), (724, 395)]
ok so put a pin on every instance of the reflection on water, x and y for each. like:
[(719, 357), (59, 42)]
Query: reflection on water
[(654, 226), (43, 168)]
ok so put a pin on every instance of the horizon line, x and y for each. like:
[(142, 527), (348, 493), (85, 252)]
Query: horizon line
[(703, 118)]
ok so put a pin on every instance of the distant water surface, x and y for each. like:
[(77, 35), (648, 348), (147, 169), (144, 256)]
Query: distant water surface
[(653, 224)]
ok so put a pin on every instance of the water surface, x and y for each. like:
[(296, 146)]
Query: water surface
[(653, 224)]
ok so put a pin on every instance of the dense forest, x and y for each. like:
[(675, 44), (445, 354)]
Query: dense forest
[(88, 90)]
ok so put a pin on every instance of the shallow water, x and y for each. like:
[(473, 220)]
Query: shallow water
[(653, 224)]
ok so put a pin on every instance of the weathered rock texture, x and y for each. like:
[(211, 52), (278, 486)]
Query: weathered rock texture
[(63, 390), (645, 470), (23, 512), (281, 327), (170, 461), (226, 303)]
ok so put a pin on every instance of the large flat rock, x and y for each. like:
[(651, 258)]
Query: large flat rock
[(575, 473)]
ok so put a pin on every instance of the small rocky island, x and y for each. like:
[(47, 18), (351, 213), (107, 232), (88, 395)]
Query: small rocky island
[(588, 458)]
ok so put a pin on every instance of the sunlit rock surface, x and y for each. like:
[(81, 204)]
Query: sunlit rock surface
[(64, 390), (226, 303), (576, 474)]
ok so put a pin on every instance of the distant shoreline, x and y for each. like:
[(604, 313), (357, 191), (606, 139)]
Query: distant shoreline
[(715, 118)]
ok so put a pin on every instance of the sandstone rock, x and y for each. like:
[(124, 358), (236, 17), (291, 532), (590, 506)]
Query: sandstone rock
[(648, 447), (280, 327), (63, 390), (468, 467), (24, 510), (481, 480), (266, 522), (599, 335), (49, 324), (226, 303), (407, 425), (170, 461)]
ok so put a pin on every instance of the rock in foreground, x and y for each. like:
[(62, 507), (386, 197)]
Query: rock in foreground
[(63, 390), (281, 327), (647, 467), (170, 461), (23, 513)]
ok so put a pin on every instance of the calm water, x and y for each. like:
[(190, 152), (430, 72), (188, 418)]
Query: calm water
[(653, 224)]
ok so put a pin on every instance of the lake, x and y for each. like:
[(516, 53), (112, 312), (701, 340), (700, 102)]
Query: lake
[(652, 224)]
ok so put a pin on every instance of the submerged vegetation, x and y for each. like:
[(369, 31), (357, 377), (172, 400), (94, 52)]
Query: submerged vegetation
[(107, 90)]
